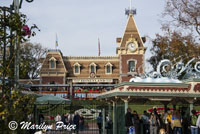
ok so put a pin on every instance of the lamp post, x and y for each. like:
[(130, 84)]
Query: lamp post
[(16, 6)]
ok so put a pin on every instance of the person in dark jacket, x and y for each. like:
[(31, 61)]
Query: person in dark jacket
[(81, 122), (76, 122), (128, 119), (99, 122), (136, 122)]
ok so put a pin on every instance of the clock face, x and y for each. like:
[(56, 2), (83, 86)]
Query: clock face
[(131, 46)]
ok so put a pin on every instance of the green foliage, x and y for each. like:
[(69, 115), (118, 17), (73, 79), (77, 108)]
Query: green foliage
[(12, 30), (14, 105), (173, 46)]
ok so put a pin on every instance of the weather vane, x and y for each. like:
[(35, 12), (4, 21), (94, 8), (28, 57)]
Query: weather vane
[(130, 10)]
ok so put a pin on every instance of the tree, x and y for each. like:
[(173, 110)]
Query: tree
[(173, 46), (30, 55), (14, 105), (184, 14)]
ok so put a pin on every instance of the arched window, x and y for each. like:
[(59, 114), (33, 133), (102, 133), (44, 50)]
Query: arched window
[(108, 68), (131, 66), (92, 68), (52, 63), (77, 68)]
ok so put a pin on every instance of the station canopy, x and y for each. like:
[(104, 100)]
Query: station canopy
[(50, 99)]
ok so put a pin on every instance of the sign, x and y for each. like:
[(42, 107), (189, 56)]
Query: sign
[(92, 80)]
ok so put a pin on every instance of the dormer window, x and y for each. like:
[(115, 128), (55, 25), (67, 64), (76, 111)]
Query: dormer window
[(92, 68), (52, 63), (77, 68), (108, 68), (132, 65)]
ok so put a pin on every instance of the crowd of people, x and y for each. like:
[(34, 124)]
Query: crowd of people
[(169, 122), (75, 119)]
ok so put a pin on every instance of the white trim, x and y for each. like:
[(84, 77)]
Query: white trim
[(135, 64), (74, 68), (108, 64), (95, 67), (50, 60)]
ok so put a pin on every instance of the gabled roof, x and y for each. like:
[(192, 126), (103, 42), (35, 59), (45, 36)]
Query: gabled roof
[(108, 64), (131, 31), (77, 64), (53, 55)]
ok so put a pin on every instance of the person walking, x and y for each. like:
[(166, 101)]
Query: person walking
[(198, 122), (108, 125), (99, 122), (128, 120), (81, 122), (136, 122), (176, 122), (145, 121), (169, 120), (154, 123), (194, 125), (76, 122)]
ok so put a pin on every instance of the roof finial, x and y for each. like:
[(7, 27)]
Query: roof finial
[(130, 11)]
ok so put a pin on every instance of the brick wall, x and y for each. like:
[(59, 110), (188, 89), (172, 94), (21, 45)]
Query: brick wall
[(124, 66)]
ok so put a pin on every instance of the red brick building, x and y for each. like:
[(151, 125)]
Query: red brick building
[(129, 60)]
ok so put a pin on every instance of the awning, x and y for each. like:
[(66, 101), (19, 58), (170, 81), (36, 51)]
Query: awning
[(50, 99)]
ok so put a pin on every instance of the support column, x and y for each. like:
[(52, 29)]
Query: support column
[(109, 110), (191, 102), (125, 100), (104, 116), (126, 105), (16, 48), (114, 118), (71, 91), (191, 108)]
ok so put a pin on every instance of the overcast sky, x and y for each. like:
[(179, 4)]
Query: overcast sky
[(79, 23)]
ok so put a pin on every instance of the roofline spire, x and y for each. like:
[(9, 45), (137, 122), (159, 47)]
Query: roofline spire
[(130, 11)]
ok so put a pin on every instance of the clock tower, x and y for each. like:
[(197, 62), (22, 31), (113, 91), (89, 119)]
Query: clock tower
[(131, 50)]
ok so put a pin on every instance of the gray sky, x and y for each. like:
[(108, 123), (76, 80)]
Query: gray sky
[(79, 23)]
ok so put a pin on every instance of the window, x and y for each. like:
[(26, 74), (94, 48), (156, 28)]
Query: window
[(108, 68), (77, 68), (52, 63), (131, 66), (92, 68)]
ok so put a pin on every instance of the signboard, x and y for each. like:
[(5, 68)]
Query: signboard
[(92, 80)]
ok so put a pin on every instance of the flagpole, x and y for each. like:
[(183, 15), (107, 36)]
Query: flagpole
[(99, 49), (56, 45)]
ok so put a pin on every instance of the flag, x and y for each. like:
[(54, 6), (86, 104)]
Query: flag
[(56, 41), (99, 49)]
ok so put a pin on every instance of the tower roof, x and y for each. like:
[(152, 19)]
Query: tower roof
[(131, 31)]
